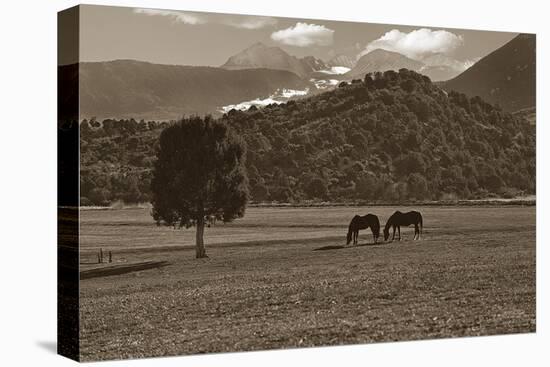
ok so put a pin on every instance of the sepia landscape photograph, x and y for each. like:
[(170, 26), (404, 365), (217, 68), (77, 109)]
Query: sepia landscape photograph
[(252, 182)]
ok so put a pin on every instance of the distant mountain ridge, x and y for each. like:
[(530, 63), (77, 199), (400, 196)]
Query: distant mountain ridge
[(382, 60), (342, 60), (441, 67), (437, 67), (135, 89), (261, 56), (507, 76)]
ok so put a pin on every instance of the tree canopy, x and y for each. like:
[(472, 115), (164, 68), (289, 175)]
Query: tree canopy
[(199, 176)]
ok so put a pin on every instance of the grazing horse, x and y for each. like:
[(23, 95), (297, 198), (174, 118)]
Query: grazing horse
[(364, 222), (399, 219)]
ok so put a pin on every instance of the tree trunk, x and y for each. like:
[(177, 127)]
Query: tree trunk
[(200, 250)]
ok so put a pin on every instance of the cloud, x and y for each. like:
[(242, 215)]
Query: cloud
[(280, 96), (176, 16), (243, 22), (250, 22), (417, 44), (304, 34)]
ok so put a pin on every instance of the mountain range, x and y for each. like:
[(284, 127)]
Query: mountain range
[(381, 60), (437, 67), (342, 60), (261, 75), (260, 56)]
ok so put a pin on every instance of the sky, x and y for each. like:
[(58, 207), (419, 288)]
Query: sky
[(208, 39)]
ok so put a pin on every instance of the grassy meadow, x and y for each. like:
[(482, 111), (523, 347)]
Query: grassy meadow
[(283, 277)]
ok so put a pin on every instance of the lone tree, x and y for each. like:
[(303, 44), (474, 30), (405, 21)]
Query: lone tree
[(199, 176)]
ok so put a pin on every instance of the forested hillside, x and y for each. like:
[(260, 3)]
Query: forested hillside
[(390, 137)]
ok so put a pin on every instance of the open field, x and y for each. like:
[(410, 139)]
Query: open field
[(266, 286)]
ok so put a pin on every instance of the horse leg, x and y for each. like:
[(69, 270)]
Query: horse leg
[(355, 235), (393, 235), (416, 232), (399, 232)]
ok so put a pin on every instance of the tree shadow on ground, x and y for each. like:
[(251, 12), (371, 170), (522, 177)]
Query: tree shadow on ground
[(121, 269)]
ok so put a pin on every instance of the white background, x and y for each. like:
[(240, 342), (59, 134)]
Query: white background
[(28, 182)]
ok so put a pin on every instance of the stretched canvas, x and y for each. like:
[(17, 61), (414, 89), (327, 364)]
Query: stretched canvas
[(235, 182)]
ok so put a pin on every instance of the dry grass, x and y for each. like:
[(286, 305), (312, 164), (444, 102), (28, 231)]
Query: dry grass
[(264, 286)]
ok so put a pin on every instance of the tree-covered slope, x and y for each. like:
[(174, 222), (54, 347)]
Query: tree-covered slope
[(390, 137)]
